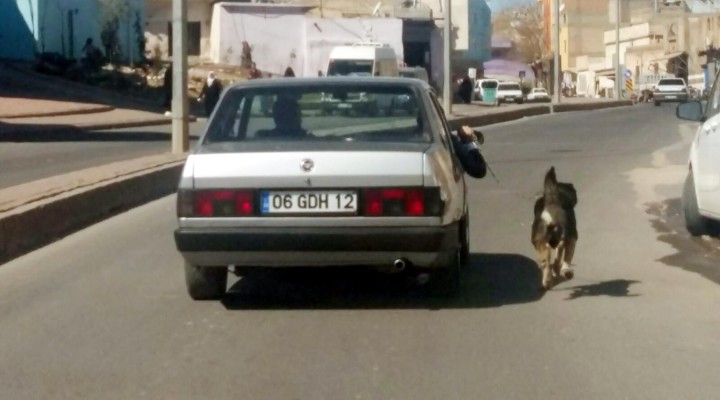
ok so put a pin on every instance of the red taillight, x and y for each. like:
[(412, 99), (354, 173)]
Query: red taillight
[(399, 202), (216, 203), (415, 203)]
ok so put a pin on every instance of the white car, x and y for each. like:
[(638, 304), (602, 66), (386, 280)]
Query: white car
[(538, 94), (701, 192), (670, 90), (304, 188), (508, 92)]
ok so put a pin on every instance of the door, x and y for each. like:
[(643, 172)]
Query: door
[(706, 165)]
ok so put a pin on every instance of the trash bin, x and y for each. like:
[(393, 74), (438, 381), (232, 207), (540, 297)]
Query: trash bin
[(488, 91)]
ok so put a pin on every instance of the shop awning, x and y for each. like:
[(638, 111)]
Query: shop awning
[(608, 72), (668, 56)]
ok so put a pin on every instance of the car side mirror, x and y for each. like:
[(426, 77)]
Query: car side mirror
[(479, 135), (691, 111)]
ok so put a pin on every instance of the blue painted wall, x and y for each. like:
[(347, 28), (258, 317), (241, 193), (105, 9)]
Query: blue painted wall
[(480, 31), (30, 26), (18, 26)]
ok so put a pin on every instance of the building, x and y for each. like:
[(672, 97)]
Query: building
[(582, 24), (659, 39), (62, 26), (217, 29)]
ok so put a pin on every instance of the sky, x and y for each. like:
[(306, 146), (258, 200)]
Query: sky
[(497, 5)]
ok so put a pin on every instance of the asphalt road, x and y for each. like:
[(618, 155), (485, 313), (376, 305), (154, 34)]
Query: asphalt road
[(46, 155), (104, 314)]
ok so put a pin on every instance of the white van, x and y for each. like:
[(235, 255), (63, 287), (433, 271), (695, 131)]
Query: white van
[(363, 59)]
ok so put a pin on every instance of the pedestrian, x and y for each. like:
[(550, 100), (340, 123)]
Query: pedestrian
[(466, 89), (92, 57), (289, 73), (211, 90), (167, 90), (254, 73)]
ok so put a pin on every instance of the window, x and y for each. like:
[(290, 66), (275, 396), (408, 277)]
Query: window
[(713, 107), (194, 32), (311, 116)]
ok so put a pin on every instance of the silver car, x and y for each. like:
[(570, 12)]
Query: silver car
[(303, 188)]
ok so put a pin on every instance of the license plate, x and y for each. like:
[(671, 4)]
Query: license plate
[(344, 105), (315, 202), (672, 97)]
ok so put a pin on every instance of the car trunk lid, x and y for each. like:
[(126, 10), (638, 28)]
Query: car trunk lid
[(308, 169)]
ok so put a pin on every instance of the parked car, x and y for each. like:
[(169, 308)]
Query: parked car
[(670, 90), (508, 92), (701, 192), (307, 189), (415, 73), (538, 94)]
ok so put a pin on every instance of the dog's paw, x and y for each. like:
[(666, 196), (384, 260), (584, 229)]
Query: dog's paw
[(567, 272), (547, 284)]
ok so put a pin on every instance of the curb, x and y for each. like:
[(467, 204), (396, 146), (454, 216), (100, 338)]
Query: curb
[(47, 212), (31, 224), (76, 111), (13, 133), (505, 116)]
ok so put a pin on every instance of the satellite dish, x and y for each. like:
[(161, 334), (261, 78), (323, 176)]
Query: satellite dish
[(376, 10)]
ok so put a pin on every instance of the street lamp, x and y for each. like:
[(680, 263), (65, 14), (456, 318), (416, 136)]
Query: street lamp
[(180, 127), (556, 53), (618, 74), (447, 31)]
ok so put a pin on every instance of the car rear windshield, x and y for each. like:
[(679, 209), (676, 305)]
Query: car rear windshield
[(489, 85), (671, 82), (347, 114), (509, 86), (350, 68)]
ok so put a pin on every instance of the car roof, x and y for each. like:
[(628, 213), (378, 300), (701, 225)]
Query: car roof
[(331, 81)]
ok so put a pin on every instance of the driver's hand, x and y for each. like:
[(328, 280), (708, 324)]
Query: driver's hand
[(466, 134)]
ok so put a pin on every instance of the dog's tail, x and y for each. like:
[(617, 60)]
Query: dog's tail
[(552, 190)]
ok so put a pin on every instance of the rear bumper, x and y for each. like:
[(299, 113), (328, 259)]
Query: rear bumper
[(287, 247), (670, 97)]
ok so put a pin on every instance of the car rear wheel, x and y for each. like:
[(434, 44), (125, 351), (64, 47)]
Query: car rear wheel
[(695, 223), (657, 103), (465, 239), (205, 283), (445, 281)]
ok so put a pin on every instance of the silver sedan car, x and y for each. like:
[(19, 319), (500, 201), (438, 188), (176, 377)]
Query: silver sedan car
[(314, 187)]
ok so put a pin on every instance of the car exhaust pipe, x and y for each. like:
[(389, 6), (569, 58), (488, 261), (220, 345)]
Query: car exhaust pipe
[(399, 265)]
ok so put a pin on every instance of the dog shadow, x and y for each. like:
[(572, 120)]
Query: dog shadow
[(489, 280), (612, 288)]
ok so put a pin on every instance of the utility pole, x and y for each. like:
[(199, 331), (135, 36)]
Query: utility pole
[(180, 127), (556, 53), (619, 75), (447, 41)]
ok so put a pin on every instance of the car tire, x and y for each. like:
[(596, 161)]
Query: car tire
[(205, 283), (520, 101), (445, 280), (657, 104), (465, 239), (695, 223)]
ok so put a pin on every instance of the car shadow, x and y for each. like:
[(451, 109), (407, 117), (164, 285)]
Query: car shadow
[(489, 280)]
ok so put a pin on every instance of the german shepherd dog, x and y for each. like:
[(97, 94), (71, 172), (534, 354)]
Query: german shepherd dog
[(555, 228)]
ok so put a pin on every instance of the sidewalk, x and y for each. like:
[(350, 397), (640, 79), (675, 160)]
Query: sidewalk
[(22, 115)]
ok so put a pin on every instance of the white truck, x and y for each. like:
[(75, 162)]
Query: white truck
[(363, 59)]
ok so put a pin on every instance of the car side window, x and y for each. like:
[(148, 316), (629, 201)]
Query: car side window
[(445, 131), (713, 106)]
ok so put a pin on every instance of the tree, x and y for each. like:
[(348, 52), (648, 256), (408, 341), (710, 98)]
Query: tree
[(113, 11), (524, 25)]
